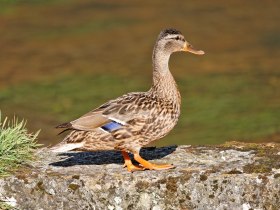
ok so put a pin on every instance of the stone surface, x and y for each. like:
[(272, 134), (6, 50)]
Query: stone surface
[(230, 176)]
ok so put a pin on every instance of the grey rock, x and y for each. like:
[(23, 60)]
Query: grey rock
[(231, 176)]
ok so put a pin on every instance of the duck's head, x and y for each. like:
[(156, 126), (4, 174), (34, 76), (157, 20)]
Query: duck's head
[(172, 40)]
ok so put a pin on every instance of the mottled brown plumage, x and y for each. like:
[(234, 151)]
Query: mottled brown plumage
[(136, 119)]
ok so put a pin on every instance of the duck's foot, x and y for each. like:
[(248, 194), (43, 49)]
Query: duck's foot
[(129, 165), (132, 168), (151, 166)]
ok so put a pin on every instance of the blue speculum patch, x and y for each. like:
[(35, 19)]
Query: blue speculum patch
[(111, 126)]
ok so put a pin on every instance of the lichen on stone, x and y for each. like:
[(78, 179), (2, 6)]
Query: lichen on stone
[(228, 176)]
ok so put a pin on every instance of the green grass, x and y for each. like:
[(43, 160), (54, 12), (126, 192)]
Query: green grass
[(5, 206), (16, 144)]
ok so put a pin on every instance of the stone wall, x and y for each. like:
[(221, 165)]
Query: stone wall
[(230, 176)]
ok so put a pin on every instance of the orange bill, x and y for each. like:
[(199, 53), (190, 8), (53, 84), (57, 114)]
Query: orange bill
[(189, 48)]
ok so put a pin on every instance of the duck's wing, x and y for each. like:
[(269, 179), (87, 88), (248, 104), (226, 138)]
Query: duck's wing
[(111, 115)]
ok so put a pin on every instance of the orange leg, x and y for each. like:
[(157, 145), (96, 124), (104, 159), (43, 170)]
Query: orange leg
[(129, 165), (146, 164)]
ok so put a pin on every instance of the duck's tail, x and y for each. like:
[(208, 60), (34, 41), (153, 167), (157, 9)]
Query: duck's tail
[(66, 147), (67, 127), (64, 125)]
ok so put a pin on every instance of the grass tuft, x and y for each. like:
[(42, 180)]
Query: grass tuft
[(16, 144), (5, 206)]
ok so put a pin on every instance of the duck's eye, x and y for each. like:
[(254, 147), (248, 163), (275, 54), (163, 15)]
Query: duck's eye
[(177, 38)]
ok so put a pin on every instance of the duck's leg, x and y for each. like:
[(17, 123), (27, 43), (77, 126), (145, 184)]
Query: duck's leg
[(146, 164), (128, 163)]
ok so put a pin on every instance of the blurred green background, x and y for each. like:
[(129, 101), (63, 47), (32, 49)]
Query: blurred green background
[(61, 58)]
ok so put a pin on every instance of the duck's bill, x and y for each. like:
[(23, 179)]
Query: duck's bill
[(189, 48)]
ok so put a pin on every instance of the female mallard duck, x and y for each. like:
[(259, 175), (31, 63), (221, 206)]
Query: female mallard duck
[(134, 119)]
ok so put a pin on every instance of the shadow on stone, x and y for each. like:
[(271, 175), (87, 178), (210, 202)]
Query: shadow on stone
[(108, 157)]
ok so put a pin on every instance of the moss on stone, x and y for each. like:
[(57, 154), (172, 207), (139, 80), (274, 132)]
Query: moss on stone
[(263, 165), (260, 149), (142, 185), (76, 176), (234, 171), (73, 186), (276, 176), (206, 175), (267, 154), (203, 177), (253, 168), (171, 184), (40, 186)]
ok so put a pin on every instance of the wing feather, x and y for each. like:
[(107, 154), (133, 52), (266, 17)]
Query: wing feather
[(121, 110)]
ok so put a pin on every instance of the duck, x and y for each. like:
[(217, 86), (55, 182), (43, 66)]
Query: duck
[(135, 119)]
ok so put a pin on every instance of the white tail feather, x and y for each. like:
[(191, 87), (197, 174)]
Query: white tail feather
[(66, 147)]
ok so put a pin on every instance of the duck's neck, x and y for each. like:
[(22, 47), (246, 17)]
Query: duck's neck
[(164, 85)]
